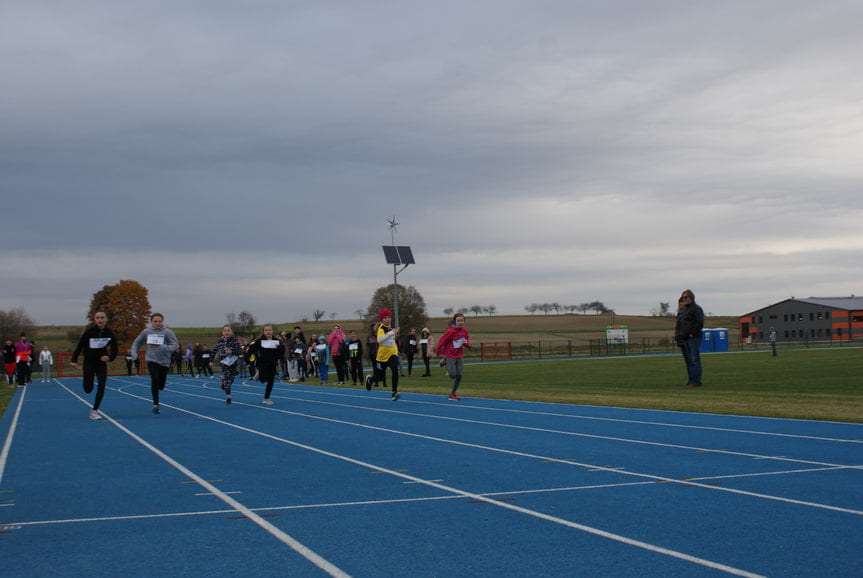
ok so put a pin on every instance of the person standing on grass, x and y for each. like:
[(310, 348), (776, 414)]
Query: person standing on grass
[(771, 337), (451, 345), (411, 350), (335, 340), (228, 351), (161, 344), (99, 347), (270, 352), (355, 352), (387, 354), (322, 356), (9, 362), (23, 352), (46, 360), (687, 334), (426, 349)]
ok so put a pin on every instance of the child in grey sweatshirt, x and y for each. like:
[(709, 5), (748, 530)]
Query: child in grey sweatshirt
[(161, 344)]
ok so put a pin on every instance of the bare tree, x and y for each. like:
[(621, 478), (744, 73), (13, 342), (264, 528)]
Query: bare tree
[(13, 323), (448, 311), (359, 313), (532, 308), (490, 309), (318, 313), (476, 310)]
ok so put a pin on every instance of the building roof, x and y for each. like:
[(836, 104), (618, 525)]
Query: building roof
[(841, 303)]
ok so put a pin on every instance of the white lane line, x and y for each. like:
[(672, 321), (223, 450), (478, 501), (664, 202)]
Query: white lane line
[(479, 497), (557, 460), (574, 434), (294, 544), (4, 453)]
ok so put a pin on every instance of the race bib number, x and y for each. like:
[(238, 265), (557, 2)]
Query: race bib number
[(298, 350), (457, 343), (155, 339), (413, 342), (206, 356), (322, 347), (424, 341), (99, 342), (269, 343), (354, 346)]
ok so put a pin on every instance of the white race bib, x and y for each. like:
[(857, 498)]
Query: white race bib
[(298, 350), (269, 343), (322, 347), (413, 341), (457, 343), (155, 339), (99, 342), (206, 356), (424, 341), (354, 346)]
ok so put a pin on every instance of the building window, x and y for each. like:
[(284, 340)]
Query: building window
[(760, 319), (786, 334), (785, 317), (820, 316), (811, 317)]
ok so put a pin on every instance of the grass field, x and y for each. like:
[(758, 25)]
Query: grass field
[(825, 384)]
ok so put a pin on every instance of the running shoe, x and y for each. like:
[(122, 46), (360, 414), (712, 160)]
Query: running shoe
[(368, 383), (268, 402), (94, 415), (396, 396), (442, 362), (228, 401), (156, 409), (453, 397)]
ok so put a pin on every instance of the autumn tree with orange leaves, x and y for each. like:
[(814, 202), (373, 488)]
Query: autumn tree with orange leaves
[(127, 306)]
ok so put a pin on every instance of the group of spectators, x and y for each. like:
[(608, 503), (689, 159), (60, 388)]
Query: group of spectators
[(19, 359)]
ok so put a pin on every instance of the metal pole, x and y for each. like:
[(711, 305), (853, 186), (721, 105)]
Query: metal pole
[(395, 298)]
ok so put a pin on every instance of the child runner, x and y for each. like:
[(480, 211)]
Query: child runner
[(161, 344), (228, 349), (99, 347), (451, 346), (269, 351), (387, 355), (46, 360), (190, 368)]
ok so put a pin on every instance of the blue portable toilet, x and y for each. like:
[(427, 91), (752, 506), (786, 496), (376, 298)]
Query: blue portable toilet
[(706, 340), (720, 339)]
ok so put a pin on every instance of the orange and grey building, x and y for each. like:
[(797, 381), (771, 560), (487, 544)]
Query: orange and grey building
[(812, 319)]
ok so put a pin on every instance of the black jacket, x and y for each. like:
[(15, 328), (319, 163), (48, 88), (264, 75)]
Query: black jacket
[(690, 322), (92, 355)]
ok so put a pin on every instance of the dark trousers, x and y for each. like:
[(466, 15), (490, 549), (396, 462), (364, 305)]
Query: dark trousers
[(99, 372), (356, 369), (691, 349), (267, 374), (381, 371), (158, 378)]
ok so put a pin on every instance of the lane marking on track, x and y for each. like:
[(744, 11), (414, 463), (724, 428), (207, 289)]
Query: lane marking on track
[(286, 539), (501, 504)]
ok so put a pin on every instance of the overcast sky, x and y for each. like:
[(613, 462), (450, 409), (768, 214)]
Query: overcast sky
[(247, 155)]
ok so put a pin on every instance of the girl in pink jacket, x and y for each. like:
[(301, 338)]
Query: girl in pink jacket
[(451, 345)]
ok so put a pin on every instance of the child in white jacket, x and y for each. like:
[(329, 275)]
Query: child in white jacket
[(46, 360)]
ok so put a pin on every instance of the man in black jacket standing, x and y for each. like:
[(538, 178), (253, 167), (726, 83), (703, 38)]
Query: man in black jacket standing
[(687, 334)]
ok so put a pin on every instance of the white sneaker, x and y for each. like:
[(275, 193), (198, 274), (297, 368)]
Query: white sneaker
[(94, 415), (268, 402)]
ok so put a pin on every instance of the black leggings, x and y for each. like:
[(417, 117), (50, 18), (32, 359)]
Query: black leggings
[(381, 371), (99, 371), (267, 374), (158, 377)]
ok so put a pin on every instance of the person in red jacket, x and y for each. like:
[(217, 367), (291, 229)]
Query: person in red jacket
[(451, 345)]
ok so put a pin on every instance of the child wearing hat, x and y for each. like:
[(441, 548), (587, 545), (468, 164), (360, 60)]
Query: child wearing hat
[(387, 354)]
